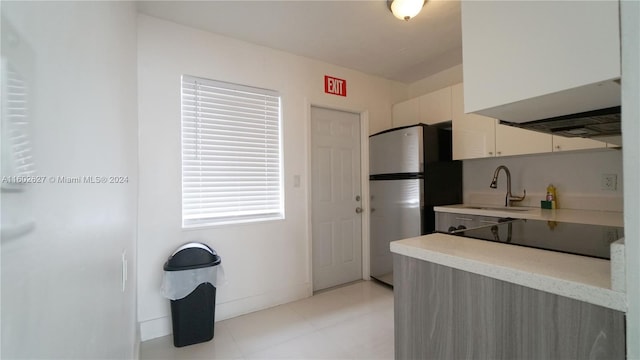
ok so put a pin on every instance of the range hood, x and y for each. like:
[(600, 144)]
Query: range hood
[(589, 124)]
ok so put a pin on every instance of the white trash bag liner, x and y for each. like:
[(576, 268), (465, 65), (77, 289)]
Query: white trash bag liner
[(178, 284)]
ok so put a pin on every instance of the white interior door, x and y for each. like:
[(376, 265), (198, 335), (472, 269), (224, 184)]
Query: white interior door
[(336, 197)]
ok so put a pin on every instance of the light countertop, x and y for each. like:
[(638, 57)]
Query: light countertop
[(577, 277), (605, 218)]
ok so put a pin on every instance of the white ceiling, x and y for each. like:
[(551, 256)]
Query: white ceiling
[(361, 35)]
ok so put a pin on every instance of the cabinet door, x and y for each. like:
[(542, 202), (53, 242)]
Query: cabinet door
[(446, 220), (446, 313), (527, 60), (435, 107), (515, 141), (474, 136), (443, 221), (406, 113), (561, 143)]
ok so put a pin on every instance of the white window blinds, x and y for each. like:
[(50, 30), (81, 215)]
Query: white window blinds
[(231, 153), (17, 147)]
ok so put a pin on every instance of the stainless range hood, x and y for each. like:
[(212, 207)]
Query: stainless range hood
[(590, 124)]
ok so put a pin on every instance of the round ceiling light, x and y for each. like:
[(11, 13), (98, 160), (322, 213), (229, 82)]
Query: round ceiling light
[(405, 9)]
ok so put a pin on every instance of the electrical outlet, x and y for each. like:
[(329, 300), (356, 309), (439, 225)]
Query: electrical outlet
[(610, 235), (609, 182)]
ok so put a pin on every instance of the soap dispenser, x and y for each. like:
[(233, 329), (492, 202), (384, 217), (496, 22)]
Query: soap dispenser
[(552, 196)]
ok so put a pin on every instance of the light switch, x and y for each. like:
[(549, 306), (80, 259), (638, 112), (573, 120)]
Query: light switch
[(125, 265), (296, 181)]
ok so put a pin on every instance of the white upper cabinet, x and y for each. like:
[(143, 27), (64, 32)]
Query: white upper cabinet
[(515, 141), (435, 107), (474, 136), (406, 112), (561, 143), (431, 108), (529, 60)]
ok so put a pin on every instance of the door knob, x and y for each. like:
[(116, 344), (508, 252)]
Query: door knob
[(358, 210)]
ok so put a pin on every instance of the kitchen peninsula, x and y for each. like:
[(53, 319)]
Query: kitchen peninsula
[(457, 297)]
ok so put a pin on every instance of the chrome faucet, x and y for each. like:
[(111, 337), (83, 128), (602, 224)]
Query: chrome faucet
[(509, 197)]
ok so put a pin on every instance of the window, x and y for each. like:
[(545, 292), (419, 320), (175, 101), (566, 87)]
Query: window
[(16, 130), (231, 153)]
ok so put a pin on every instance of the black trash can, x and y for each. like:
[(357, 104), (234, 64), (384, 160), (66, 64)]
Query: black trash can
[(193, 316)]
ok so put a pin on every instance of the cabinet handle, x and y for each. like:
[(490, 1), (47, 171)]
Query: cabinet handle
[(464, 219), (558, 147), (489, 222), (490, 152), (499, 152)]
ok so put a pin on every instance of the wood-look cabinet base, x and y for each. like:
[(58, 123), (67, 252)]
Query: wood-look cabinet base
[(445, 313)]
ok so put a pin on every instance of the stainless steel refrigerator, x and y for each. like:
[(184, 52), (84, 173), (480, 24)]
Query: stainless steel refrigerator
[(411, 171)]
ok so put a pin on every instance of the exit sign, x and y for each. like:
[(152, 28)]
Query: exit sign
[(335, 86)]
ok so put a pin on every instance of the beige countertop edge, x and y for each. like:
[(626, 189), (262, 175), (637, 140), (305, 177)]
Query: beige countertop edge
[(618, 272), (593, 217), (575, 277)]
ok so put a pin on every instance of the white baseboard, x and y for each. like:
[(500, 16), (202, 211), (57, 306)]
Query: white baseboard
[(155, 328), (160, 327)]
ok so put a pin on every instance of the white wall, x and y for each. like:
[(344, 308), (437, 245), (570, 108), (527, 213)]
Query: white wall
[(630, 32), (61, 282), (442, 79), (265, 263), (576, 176)]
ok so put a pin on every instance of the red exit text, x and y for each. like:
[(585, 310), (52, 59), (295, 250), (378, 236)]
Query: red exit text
[(335, 86)]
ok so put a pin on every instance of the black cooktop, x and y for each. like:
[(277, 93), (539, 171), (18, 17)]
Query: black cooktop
[(571, 238)]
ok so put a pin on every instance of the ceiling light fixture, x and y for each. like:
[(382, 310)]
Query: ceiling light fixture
[(405, 9)]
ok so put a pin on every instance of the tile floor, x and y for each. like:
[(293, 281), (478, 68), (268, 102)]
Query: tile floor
[(350, 322)]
